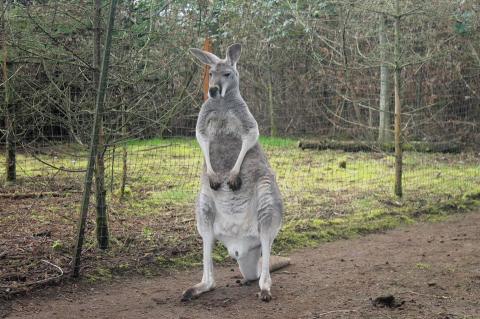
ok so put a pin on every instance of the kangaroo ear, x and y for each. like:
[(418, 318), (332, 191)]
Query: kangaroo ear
[(205, 57), (233, 53)]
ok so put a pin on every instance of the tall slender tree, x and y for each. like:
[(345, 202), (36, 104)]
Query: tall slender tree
[(9, 107), (398, 105), (100, 192), (99, 108), (384, 131)]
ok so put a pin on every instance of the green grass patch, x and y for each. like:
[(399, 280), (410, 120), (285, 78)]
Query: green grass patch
[(328, 195)]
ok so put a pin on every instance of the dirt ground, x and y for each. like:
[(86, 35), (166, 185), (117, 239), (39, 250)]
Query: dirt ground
[(432, 270)]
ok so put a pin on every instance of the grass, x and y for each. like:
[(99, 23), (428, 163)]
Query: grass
[(328, 195)]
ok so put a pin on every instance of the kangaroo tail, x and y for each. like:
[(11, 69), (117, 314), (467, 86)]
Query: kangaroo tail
[(278, 262)]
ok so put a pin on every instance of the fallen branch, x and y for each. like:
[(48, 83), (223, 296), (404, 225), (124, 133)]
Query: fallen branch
[(32, 195), (367, 146)]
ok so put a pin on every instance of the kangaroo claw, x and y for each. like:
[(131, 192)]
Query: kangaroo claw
[(234, 182), (214, 181), (264, 295)]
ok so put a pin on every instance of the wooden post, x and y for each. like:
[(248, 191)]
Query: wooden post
[(207, 46), (94, 142)]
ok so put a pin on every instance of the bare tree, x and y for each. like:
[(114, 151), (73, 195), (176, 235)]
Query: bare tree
[(398, 105), (9, 107), (384, 130)]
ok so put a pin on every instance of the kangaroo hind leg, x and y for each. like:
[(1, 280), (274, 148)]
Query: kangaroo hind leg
[(269, 209), (205, 216), (249, 265)]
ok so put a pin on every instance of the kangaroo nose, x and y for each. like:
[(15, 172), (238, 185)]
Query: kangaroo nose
[(214, 91)]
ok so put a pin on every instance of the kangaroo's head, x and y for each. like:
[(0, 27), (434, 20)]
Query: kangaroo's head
[(224, 76)]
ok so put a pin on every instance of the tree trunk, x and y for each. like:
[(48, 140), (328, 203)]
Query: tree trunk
[(398, 106), (94, 142), (418, 90), (348, 87), (271, 112), (124, 153), (10, 147), (384, 132), (100, 192), (270, 103)]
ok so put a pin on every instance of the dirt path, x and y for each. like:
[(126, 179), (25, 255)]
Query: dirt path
[(433, 269)]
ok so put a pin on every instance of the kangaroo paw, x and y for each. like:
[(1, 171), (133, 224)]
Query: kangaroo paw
[(215, 181), (234, 182)]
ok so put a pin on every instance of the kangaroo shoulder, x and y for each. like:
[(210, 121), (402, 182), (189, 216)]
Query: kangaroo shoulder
[(245, 117)]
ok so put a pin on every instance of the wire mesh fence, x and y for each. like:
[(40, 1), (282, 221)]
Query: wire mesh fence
[(320, 122)]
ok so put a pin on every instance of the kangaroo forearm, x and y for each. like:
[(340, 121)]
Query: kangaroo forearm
[(205, 148), (247, 143), (206, 155)]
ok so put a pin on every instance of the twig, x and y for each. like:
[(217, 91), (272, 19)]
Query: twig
[(39, 281), (335, 311), (51, 264), (427, 295), (58, 168)]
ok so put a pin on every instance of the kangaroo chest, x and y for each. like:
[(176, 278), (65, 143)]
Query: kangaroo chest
[(224, 131), (223, 123)]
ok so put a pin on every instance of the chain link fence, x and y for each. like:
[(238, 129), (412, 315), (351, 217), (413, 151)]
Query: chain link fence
[(320, 127)]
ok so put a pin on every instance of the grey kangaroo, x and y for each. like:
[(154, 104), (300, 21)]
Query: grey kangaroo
[(239, 202)]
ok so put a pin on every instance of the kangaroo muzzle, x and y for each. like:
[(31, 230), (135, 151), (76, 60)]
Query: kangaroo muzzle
[(214, 91)]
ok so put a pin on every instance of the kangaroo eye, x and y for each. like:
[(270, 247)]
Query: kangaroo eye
[(210, 74), (226, 75)]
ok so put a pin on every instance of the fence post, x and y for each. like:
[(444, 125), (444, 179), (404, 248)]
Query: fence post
[(207, 46)]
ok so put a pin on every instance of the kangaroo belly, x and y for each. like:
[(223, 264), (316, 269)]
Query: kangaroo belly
[(236, 224), (224, 150)]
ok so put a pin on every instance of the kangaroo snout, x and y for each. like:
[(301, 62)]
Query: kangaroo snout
[(214, 90)]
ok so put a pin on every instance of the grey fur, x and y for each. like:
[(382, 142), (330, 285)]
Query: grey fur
[(239, 201)]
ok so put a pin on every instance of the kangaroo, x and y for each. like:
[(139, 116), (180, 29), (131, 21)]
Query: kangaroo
[(239, 202)]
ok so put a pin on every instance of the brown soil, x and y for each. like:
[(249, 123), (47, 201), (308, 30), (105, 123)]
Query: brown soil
[(431, 270)]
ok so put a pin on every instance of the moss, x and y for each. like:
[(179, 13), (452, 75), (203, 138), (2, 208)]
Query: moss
[(185, 261), (57, 245), (124, 266)]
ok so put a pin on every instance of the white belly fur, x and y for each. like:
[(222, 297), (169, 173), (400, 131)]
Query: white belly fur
[(236, 225)]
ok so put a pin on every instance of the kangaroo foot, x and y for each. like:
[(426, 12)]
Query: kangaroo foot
[(195, 291), (264, 295)]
